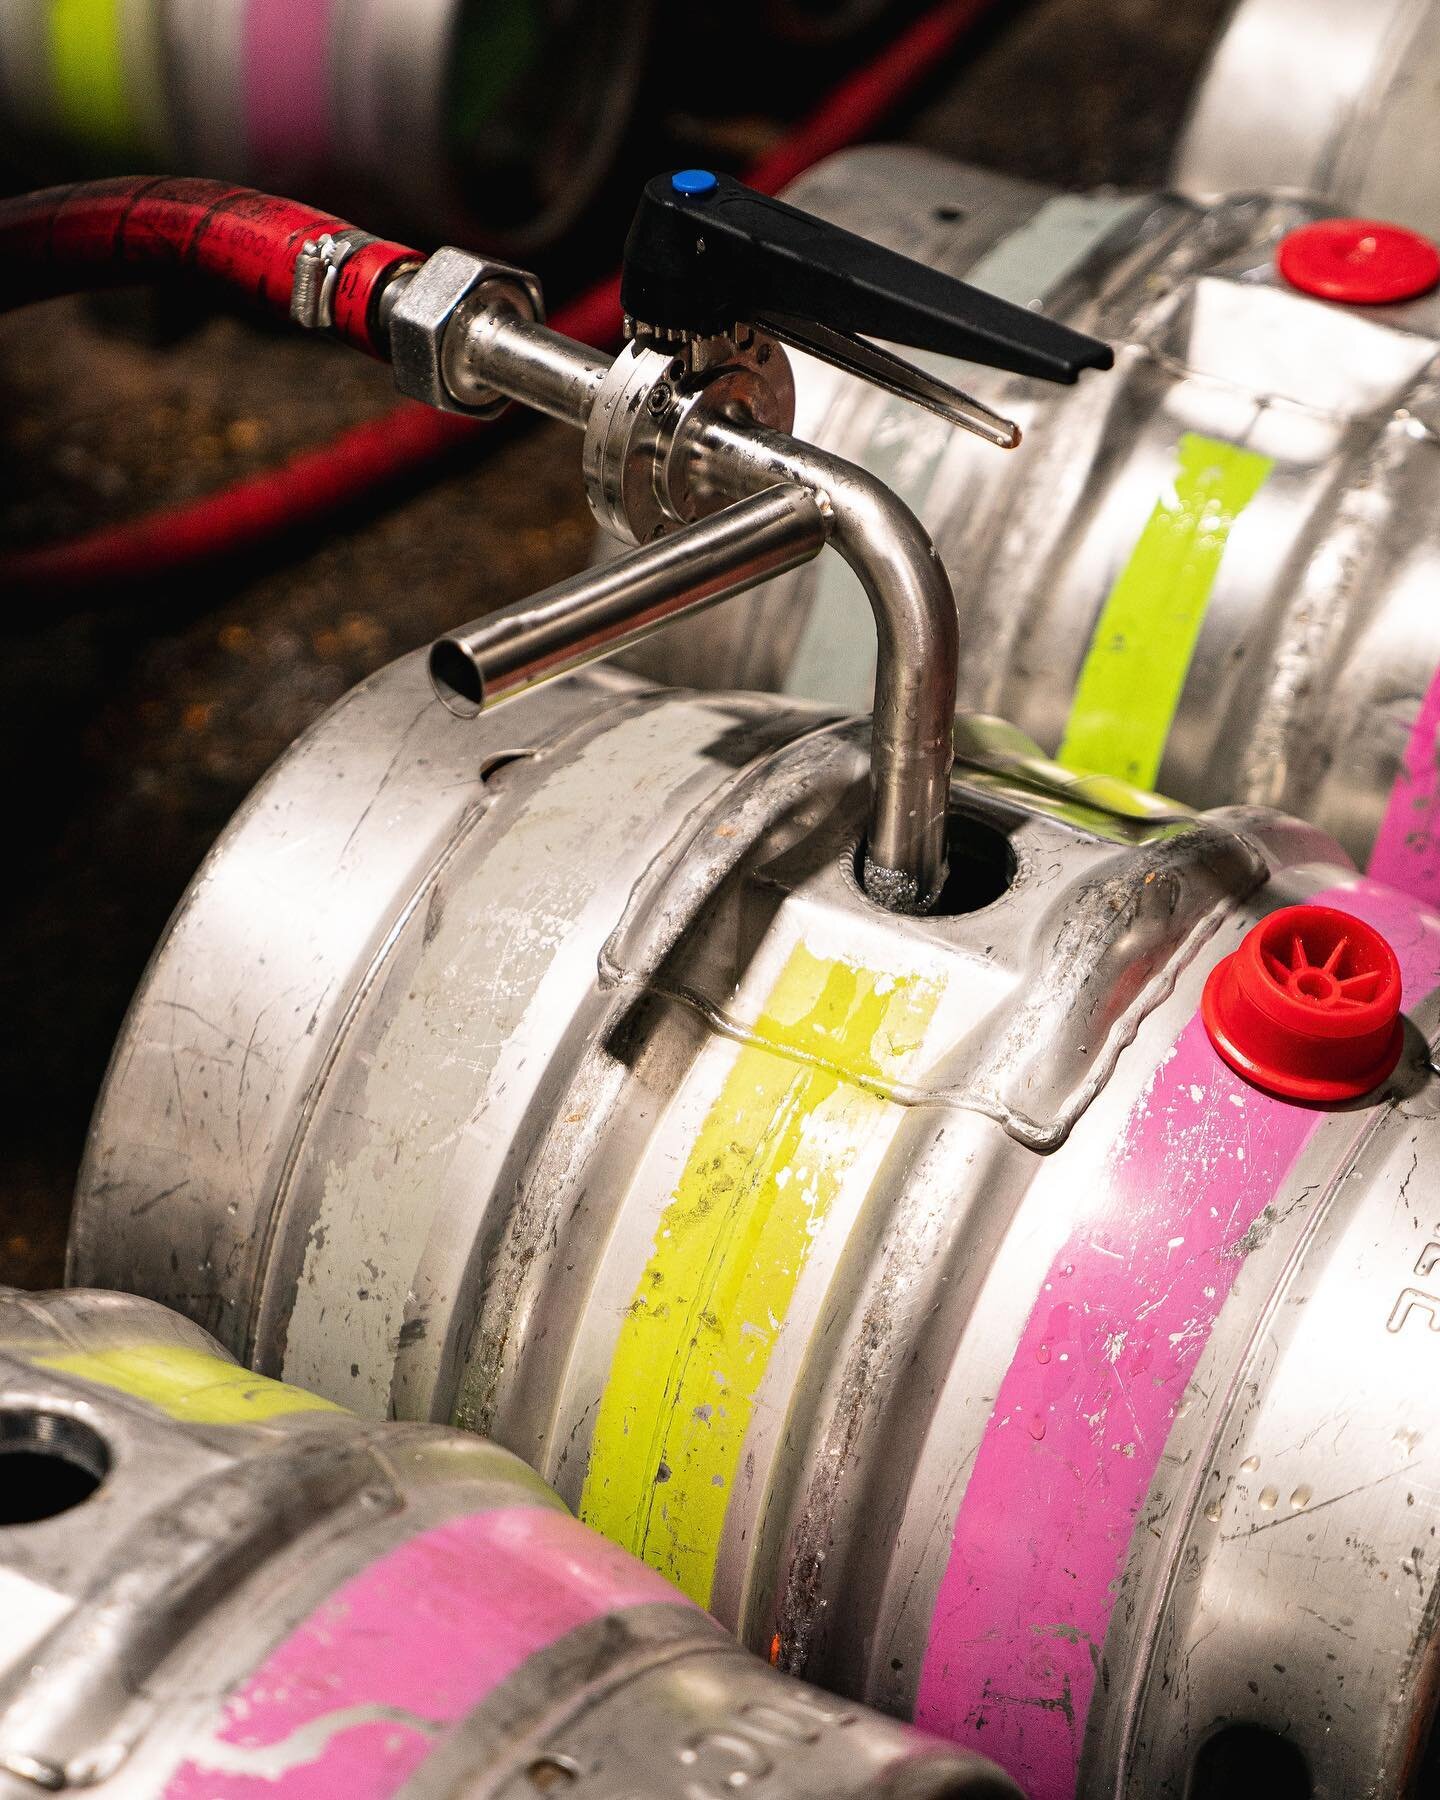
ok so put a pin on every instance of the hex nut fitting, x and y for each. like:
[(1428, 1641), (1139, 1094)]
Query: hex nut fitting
[(450, 284)]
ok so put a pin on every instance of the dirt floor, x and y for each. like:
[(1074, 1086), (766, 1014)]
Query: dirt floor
[(131, 729)]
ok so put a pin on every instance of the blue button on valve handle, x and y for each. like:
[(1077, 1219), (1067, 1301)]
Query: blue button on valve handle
[(693, 182)]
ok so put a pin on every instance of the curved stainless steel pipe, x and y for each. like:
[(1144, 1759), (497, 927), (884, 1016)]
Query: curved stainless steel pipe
[(621, 602), (918, 642), (720, 460)]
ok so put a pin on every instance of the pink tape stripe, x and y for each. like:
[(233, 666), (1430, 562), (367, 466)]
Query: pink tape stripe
[(1407, 846), (358, 1696), (286, 83), (1084, 1410)]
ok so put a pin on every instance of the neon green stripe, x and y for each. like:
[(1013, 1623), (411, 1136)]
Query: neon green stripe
[(1134, 671), (769, 1162), (87, 68), (188, 1384)]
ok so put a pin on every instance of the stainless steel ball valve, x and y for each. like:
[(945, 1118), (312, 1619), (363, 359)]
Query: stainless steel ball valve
[(216, 1587), (1211, 572), (928, 1296)]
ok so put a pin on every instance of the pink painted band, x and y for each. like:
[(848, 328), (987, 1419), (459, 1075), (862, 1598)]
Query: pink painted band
[(1407, 846), (1083, 1413), (352, 1703), (287, 86)]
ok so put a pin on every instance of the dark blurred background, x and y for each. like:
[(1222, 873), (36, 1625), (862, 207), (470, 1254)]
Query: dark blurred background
[(133, 721)]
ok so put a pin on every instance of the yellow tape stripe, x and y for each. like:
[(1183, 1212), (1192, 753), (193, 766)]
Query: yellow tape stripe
[(768, 1163), (188, 1384), (87, 69), (1134, 672)]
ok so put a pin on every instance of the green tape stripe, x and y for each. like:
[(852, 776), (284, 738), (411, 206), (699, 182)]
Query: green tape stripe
[(1134, 671), (88, 73)]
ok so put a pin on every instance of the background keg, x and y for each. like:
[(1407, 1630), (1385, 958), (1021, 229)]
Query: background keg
[(1327, 96), (1210, 571), (219, 1586), (933, 1299), (490, 119)]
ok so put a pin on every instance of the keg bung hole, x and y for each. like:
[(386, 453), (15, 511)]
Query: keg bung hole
[(1248, 1762), (982, 867), (948, 215), (49, 1463)]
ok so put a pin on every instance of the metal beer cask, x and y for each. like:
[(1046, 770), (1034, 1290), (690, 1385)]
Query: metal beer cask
[(926, 1296), (219, 1586), (485, 119)]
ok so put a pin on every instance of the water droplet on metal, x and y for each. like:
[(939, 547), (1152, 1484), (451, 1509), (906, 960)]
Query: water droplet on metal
[(1042, 1353), (1301, 1498), (1268, 1498), (1037, 1428), (1250, 1464)]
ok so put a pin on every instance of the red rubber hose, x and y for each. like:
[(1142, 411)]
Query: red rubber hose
[(97, 233), (316, 483)]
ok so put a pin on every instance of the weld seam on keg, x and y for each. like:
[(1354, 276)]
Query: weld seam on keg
[(286, 46), (408, 1648), (1098, 1373), (769, 1164), (1406, 853), (1133, 675)]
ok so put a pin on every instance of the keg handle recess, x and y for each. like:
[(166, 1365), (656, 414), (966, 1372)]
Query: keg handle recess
[(688, 455)]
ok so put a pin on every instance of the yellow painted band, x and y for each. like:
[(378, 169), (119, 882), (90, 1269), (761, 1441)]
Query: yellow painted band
[(87, 70), (189, 1384), (768, 1164), (1134, 671)]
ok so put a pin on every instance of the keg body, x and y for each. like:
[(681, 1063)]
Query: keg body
[(217, 1585), (1322, 97), (925, 1297), (489, 120)]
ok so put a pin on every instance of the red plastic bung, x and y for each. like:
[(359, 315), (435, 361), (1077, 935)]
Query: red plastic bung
[(1308, 1007), (1363, 261)]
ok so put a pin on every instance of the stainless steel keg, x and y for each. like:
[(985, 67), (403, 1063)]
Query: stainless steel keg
[(1326, 96), (1211, 572), (929, 1297), (216, 1587), (490, 119)]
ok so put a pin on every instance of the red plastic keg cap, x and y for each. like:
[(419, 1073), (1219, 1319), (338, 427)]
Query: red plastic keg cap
[(1308, 1007), (1364, 261)]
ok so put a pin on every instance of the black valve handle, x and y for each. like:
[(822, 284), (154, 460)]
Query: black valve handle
[(705, 253)]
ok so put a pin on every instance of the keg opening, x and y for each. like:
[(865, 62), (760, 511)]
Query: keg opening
[(948, 215), (456, 680), (1248, 1762), (49, 1463), (982, 867)]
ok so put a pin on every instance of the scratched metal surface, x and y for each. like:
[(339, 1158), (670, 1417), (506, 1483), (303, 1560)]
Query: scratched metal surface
[(924, 1296), (253, 1590)]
